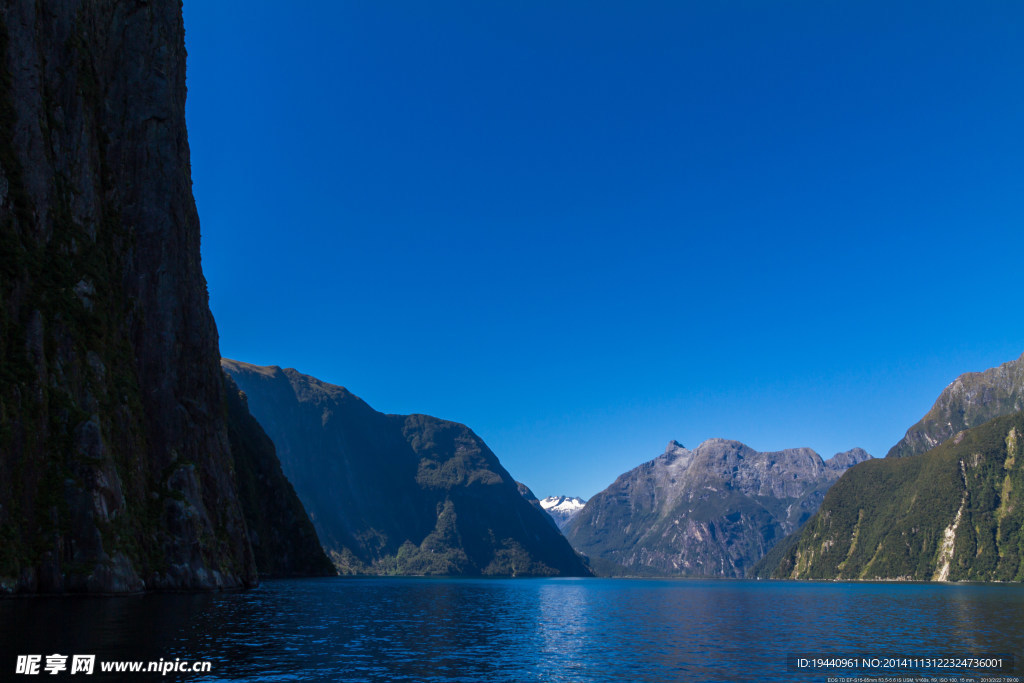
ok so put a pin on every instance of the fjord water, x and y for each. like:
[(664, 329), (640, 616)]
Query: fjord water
[(406, 629)]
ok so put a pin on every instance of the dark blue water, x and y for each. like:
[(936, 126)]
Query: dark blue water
[(517, 630)]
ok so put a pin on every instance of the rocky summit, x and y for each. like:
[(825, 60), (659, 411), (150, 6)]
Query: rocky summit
[(970, 400), (712, 511), (400, 494)]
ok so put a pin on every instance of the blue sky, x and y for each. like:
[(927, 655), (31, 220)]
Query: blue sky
[(586, 228)]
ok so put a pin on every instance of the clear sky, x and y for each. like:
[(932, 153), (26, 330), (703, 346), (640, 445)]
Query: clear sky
[(586, 228)]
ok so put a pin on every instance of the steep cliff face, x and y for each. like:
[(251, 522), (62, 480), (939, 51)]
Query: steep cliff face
[(399, 494), (282, 536), (970, 400), (115, 465), (953, 513), (713, 511)]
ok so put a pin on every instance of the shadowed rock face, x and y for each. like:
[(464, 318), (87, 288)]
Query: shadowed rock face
[(115, 464), (713, 511), (282, 536), (406, 494), (531, 498), (972, 399)]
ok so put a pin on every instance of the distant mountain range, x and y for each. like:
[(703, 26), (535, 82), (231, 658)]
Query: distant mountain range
[(562, 508), (712, 511), (948, 504), (399, 494)]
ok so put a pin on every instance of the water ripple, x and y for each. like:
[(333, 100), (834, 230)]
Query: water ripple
[(562, 630)]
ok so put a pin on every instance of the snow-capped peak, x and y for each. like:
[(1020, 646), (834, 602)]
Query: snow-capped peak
[(562, 508), (563, 504)]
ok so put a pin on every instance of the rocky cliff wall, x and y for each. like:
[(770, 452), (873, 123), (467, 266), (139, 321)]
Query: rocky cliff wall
[(115, 466)]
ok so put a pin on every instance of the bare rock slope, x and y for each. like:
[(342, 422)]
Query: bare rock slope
[(712, 511), (970, 400)]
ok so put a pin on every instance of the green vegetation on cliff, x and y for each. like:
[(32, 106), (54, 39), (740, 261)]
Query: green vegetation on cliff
[(953, 513)]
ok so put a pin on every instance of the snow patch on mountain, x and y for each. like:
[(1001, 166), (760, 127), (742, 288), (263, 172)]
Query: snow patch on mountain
[(562, 508)]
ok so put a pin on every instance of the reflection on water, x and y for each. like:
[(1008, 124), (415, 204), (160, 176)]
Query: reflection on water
[(518, 630)]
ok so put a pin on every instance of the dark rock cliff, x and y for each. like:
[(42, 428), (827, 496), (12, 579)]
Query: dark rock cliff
[(532, 499), (713, 511), (399, 494), (282, 536), (115, 465)]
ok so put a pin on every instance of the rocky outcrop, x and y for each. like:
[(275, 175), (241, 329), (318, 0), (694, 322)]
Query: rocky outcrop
[(712, 511), (399, 494), (971, 399), (954, 513), (116, 471)]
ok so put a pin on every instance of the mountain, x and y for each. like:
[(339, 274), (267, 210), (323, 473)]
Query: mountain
[(953, 513), (562, 508), (712, 511), (526, 493), (399, 494), (116, 468), (282, 537), (972, 399)]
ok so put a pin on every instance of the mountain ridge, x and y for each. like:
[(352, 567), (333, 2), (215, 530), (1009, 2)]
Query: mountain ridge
[(399, 494), (968, 401), (712, 511)]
